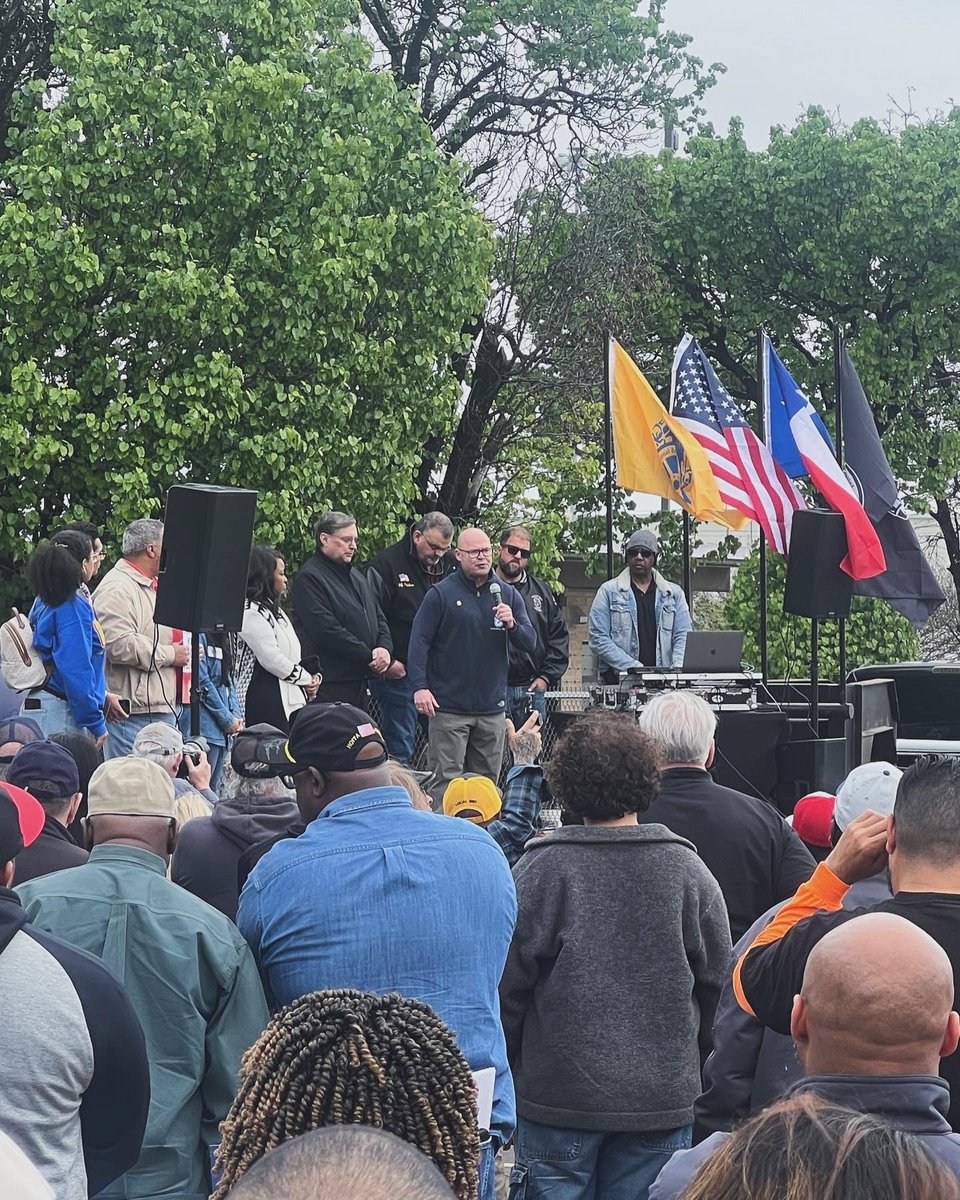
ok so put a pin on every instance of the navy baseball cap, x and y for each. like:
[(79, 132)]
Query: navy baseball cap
[(45, 770)]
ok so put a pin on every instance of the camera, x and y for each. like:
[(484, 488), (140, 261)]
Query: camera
[(192, 749)]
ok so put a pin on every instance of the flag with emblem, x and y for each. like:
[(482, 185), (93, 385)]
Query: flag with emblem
[(747, 477), (654, 452)]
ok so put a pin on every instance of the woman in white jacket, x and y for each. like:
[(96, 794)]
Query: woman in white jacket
[(271, 683)]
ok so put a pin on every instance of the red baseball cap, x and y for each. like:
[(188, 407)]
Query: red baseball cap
[(813, 818), (21, 820)]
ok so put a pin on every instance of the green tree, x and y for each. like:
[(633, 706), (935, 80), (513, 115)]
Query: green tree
[(522, 80), (230, 252), (525, 92), (875, 633), (830, 227)]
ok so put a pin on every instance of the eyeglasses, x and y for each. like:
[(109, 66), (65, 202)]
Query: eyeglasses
[(485, 552), (347, 541), (435, 549), (639, 551), (517, 550)]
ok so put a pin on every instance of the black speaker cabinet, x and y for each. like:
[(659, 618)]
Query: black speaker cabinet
[(816, 587), (207, 534)]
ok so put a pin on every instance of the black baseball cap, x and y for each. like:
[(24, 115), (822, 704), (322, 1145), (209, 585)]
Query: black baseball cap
[(329, 737), (45, 770)]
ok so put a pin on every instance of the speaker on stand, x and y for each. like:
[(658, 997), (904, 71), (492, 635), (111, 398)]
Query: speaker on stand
[(817, 588), (202, 585)]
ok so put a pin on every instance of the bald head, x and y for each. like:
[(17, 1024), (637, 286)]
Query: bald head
[(876, 999), (474, 554), (350, 1162)]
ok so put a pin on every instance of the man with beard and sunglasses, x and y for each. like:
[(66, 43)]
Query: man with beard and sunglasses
[(532, 672), (639, 619)]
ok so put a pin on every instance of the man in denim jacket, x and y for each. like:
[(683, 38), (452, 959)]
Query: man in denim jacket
[(639, 619)]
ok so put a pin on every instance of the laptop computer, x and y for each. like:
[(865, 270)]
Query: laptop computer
[(713, 650)]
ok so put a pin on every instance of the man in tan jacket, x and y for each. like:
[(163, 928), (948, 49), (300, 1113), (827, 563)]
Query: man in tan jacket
[(142, 659)]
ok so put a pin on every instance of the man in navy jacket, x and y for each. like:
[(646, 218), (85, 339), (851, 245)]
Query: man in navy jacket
[(458, 661)]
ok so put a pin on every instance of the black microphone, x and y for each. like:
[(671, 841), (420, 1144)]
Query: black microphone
[(496, 592)]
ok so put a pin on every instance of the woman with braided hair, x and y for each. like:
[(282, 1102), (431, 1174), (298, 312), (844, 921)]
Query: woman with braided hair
[(346, 1057)]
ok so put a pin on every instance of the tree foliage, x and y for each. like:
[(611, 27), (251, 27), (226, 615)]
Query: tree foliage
[(230, 252), (829, 227), (527, 92), (875, 632), (524, 80), (26, 38)]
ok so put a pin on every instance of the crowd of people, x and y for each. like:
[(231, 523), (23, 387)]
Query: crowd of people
[(270, 958)]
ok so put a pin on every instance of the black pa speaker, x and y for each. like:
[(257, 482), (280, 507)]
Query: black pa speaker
[(816, 587), (207, 534)]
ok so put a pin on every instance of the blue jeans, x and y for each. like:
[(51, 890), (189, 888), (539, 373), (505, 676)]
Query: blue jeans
[(487, 1172), (124, 733), (398, 717), (518, 705), (585, 1164), (217, 758), (52, 714)]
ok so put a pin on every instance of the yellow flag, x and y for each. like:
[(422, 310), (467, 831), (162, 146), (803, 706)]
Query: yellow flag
[(655, 453)]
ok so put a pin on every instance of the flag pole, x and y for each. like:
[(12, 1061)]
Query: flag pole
[(761, 409), (687, 586), (608, 450), (837, 393)]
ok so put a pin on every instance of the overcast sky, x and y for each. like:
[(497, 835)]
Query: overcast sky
[(847, 55)]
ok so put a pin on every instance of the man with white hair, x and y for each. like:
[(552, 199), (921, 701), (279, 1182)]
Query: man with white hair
[(142, 659), (164, 745), (748, 847)]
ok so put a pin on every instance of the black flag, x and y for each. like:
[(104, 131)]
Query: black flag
[(908, 584)]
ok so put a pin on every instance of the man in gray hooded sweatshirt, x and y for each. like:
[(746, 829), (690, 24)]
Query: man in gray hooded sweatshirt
[(610, 986)]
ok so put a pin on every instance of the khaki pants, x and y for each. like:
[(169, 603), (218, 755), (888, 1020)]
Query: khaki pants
[(463, 744)]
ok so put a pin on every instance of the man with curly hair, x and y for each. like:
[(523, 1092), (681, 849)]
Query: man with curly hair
[(612, 978)]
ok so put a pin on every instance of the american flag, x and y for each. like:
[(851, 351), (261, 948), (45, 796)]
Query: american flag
[(747, 477)]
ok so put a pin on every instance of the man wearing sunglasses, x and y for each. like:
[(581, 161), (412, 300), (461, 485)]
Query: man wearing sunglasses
[(532, 672), (639, 619)]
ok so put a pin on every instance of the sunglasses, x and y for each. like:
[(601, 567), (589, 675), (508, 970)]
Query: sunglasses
[(640, 552), (517, 550)]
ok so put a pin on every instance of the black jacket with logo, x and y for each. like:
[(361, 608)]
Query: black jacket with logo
[(400, 584), (551, 656), (338, 619)]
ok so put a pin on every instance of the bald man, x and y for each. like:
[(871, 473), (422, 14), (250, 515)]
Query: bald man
[(920, 846), (351, 1162), (870, 1025), (458, 662)]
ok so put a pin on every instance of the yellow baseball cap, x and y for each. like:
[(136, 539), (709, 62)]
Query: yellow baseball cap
[(474, 797)]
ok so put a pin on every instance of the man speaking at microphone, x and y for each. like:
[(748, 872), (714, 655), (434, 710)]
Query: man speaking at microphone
[(457, 663)]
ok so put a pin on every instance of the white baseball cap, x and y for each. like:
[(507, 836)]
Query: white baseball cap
[(871, 785)]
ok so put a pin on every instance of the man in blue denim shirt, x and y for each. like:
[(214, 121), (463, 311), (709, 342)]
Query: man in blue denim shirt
[(639, 619), (379, 896)]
